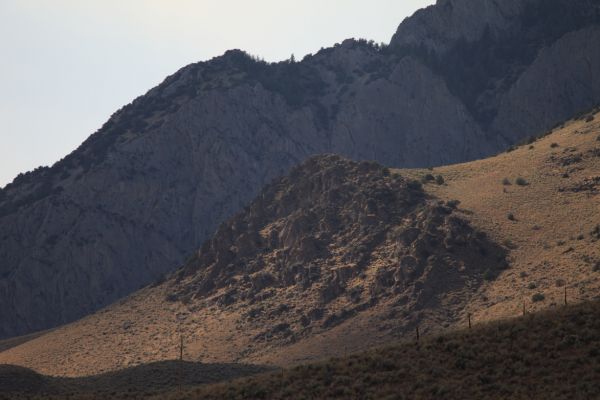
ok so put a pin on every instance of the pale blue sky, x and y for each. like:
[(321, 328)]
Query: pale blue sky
[(67, 65)]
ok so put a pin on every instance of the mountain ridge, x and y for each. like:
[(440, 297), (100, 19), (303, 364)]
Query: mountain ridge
[(150, 186)]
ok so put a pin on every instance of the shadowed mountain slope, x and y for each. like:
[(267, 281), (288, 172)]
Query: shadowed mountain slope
[(155, 181)]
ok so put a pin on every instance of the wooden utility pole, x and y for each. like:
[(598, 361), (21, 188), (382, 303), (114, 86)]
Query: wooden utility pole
[(565, 295), (469, 320)]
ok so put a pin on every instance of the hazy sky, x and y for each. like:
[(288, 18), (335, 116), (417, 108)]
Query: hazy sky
[(67, 65)]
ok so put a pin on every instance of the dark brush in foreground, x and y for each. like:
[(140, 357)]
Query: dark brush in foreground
[(144, 380)]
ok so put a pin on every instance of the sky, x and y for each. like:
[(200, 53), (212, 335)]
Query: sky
[(67, 65)]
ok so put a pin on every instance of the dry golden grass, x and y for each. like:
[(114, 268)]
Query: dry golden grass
[(550, 233)]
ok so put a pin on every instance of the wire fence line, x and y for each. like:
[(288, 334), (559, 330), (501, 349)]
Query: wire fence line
[(558, 299)]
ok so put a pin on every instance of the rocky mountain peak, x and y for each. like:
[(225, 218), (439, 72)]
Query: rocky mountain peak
[(438, 28)]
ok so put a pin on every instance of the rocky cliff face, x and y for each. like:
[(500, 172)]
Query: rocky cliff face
[(483, 49), (156, 180)]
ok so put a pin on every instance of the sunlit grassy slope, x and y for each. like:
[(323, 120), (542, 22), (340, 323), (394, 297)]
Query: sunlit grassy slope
[(549, 221)]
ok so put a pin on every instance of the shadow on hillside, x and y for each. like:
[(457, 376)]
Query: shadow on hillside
[(7, 344), (148, 379)]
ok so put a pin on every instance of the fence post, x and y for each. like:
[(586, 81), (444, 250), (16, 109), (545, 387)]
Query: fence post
[(417, 333), (469, 320), (565, 295), (180, 369), (181, 348)]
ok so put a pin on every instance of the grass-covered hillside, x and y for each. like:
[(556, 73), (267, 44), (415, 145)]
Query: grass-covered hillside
[(549, 355)]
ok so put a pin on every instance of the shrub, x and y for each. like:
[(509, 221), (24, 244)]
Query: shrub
[(415, 185), (532, 285), (439, 180), (511, 217), (171, 297), (427, 178), (521, 181), (506, 182), (488, 275), (554, 145), (453, 203), (589, 118), (538, 297), (595, 233)]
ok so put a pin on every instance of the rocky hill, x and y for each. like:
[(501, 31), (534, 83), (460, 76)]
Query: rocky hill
[(155, 181), (335, 248)]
